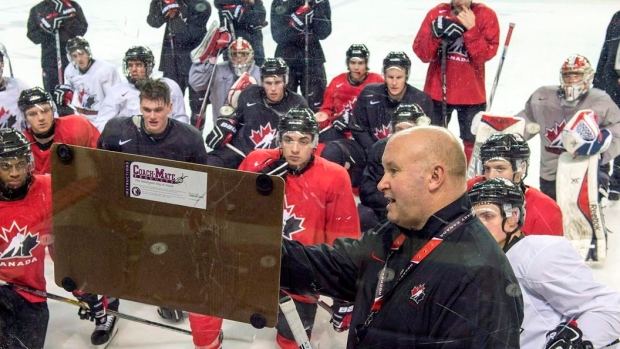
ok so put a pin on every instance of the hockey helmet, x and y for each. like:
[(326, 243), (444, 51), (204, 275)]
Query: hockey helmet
[(274, 67), (13, 144), (409, 113), (32, 97), (240, 46), (397, 59), (358, 51), (580, 67), (77, 43), (300, 120), (510, 147), (501, 192), (142, 54)]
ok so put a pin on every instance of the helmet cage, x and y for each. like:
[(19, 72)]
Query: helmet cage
[(576, 64), (142, 54), (241, 45), (75, 44)]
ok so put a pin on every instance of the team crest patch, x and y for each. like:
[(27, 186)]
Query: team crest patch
[(418, 294)]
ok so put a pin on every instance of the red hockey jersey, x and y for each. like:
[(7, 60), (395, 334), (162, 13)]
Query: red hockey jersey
[(70, 129), (26, 230), (319, 205)]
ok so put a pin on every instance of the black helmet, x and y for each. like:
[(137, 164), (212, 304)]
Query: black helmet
[(77, 43), (274, 67), (13, 143), (509, 146), (501, 192), (33, 96), (142, 54), (359, 51), (299, 120), (397, 59), (409, 112)]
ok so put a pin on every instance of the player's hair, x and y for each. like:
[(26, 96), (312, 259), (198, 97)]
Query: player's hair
[(154, 89)]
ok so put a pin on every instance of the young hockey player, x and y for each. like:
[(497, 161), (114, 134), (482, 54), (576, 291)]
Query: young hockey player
[(10, 88), (508, 156), (254, 123), (246, 19), (39, 110), (564, 306), (124, 99), (26, 222), (89, 80), (328, 215), (342, 92), (551, 107)]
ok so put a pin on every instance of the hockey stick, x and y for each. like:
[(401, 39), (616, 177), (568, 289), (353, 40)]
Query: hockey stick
[(235, 149), (501, 64), (321, 304), (444, 87), (294, 322), (203, 106), (306, 56), (8, 59), (59, 58)]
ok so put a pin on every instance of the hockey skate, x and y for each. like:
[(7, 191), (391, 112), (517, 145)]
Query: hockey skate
[(104, 333)]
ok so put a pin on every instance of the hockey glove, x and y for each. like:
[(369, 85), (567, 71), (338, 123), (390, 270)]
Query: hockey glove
[(63, 95), (341, 123), (232, 12), (567, 336), (573, 142), (169, 8), (222, 133), (446, 28), (275, 167), (51, 22), (94, 307), (241, 84), (341, 318), (220, 40), (302, 16)]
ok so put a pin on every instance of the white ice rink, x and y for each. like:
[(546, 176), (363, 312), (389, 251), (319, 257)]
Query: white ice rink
[(547, 31)]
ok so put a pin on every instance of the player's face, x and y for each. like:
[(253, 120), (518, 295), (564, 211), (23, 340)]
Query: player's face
[(403, 126), (357, 68), (500, 169), (396, 79), (274, 88), (80, 58), (137, 69), (155, 113), (40, 117), (14, 172), (491, 217), (239, 57), (297, 149), (571, 78), (461, 4), (405, 183)]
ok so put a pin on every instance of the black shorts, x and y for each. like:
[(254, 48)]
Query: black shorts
[(22, 324)]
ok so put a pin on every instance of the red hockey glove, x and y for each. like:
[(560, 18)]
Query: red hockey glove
[(63, 94), (94, 307), (169, 8), (244, 81), (220, 40), (567, 336), (302, 16), (341, 318), (222, 133)]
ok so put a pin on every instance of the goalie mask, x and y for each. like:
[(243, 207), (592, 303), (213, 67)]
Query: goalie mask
[(511, 148), (504, 194), (408, 115), (241, 56), (576, 75), (300, 120), (16, 164), (142, 54)]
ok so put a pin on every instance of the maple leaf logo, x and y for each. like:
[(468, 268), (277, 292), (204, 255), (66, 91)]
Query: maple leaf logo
[(264, 137), (382, 132), (2, 112), (554, 135), (417, 293), (81, 95), (292, 224), (21, 244)]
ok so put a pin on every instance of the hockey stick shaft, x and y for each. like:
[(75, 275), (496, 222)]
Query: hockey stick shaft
[(306, 57), (203, 106), (321, 304), (287, 306), (501, 64), (235, 149), (444, 86), (58, 58)]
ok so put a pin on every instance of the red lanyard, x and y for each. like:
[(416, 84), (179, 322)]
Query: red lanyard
[(380, 295)]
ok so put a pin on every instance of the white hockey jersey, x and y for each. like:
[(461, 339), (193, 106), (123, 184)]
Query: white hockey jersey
[(558, 286), (91, 88), (124, 100), (10, 115), (223, 79)]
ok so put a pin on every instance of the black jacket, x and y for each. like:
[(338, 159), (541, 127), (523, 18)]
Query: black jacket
[(188, 29), (370, 196), (70, 28), (374, 108), (463, 295), (606, 77), (291, 42)]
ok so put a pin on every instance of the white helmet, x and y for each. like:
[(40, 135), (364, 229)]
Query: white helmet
[(576, 64), (240, 45)]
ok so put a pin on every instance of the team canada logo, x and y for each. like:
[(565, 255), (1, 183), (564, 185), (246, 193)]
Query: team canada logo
[(382, 132), (85, 99), (417, 295), (6, 119), (554, 136), (264, 137), (292, 224), (457, 50), (21, 244)]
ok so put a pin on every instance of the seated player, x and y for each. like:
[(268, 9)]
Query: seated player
[(10, 88)]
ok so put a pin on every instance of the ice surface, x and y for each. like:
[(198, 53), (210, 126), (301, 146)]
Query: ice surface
[(547, 31)]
